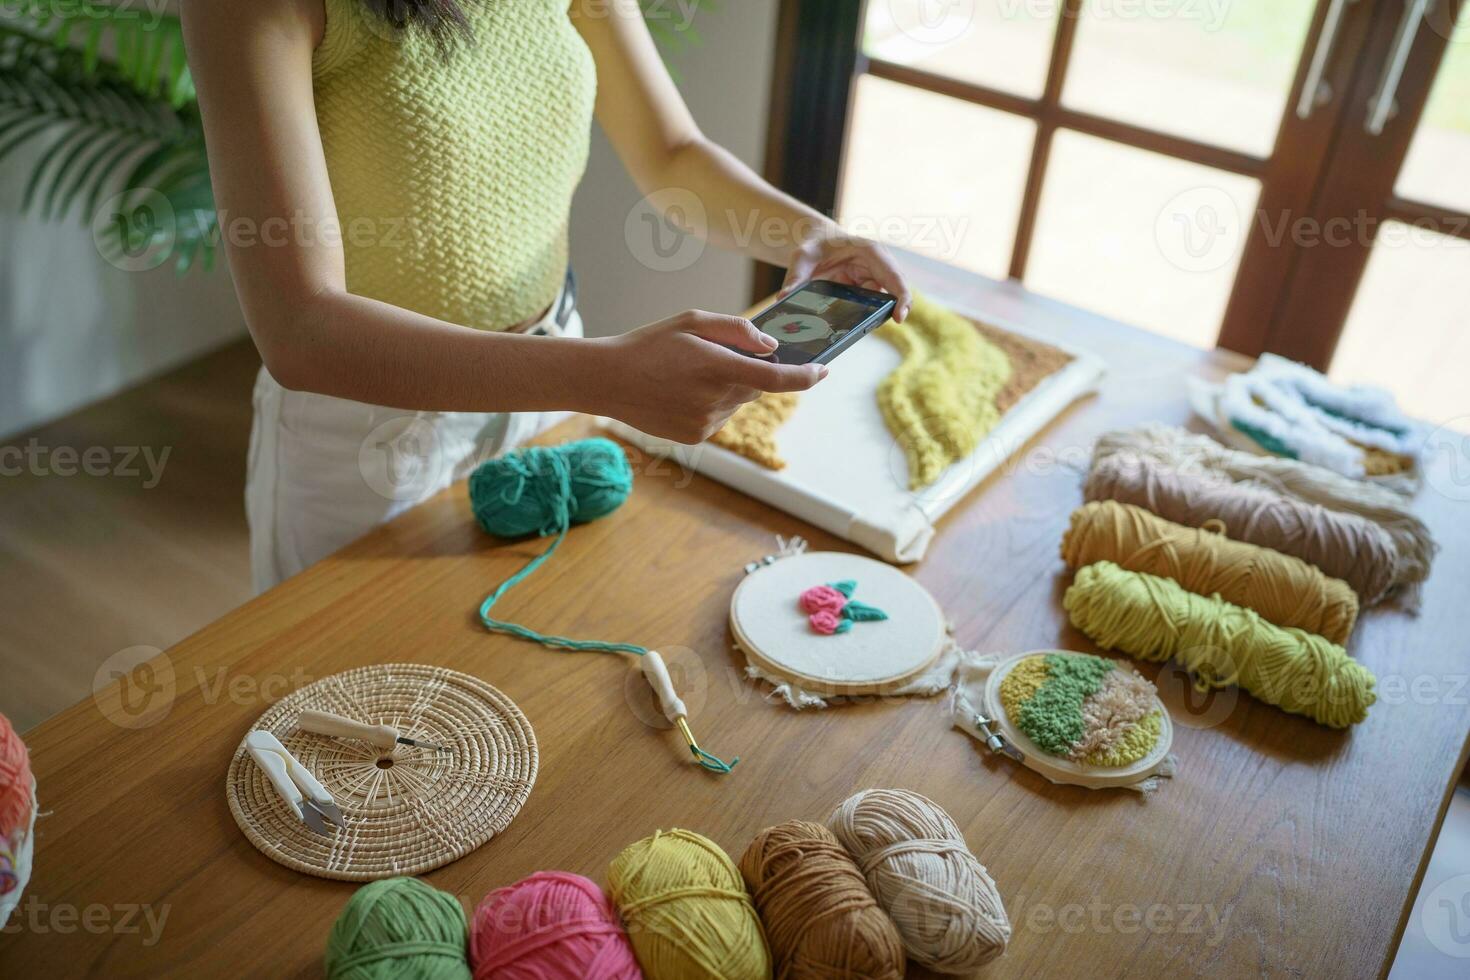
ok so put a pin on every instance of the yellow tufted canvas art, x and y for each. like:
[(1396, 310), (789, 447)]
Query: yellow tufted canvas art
[(941, 400)]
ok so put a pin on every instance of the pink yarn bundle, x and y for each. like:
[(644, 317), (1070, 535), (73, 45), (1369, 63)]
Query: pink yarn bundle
[(550, 926), (15, 781)]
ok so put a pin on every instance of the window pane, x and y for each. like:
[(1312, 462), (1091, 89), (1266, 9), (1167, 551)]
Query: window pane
[(1437, 169), (1216, 72), (1140, 237), (1003, 44), (935, 175), (1406, 331)]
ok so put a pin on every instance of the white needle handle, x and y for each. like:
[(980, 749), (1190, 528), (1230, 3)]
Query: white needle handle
[(326, 723), (657, 676)]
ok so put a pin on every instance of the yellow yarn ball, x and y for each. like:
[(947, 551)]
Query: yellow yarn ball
[(687, 910)]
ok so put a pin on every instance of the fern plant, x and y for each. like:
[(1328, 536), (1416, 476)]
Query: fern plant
[(124, 130)]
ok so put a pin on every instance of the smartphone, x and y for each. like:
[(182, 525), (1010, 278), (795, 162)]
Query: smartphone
[(820, 320)]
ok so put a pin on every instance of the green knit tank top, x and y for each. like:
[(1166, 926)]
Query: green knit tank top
[(454, 178)]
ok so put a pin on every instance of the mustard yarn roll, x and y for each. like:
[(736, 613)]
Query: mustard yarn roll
[(687, 911), (1341, 544), (1220, 643), (917, 864), (1284, 590), (822, 922)]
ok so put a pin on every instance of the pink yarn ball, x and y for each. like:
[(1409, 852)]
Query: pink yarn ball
[(15, 781), (550, 926)]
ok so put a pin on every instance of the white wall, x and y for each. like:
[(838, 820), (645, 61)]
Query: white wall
[(74, 329), (727, 84)]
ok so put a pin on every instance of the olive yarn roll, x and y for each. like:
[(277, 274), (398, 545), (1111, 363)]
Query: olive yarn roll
[(1220, 643), (820, 918)]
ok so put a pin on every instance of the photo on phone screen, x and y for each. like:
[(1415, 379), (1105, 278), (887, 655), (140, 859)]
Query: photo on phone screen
[(820, 319)]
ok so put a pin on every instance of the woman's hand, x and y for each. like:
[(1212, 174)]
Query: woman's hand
[(675, 380), (835, 255)]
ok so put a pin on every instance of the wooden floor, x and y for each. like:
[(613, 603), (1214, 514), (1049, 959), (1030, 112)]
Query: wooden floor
[(94, 564)]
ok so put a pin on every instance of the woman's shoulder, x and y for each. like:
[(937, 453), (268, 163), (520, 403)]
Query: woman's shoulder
[(233, 20)]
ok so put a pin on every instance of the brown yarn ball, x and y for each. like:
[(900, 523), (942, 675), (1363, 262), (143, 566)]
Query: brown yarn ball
[(820, 918)]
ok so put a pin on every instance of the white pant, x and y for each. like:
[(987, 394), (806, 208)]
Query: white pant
[(323, 471)]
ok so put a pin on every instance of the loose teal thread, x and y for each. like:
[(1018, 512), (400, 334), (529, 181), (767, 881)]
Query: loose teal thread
[(530, 491)]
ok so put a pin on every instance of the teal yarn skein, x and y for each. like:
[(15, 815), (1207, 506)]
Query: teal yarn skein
[(399, 927), (544, 490)]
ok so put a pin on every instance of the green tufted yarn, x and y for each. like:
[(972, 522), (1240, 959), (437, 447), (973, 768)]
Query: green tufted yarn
[(1053, 717), (399, 927), (544, 489)]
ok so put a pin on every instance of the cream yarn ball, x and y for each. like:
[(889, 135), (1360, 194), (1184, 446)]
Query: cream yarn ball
[(922, 872)]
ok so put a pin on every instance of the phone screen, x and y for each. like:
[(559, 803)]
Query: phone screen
[(815, 318)]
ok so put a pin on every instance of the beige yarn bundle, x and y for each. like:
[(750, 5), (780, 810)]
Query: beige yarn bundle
[(1343, 545), (1183, 451), (918, 866)]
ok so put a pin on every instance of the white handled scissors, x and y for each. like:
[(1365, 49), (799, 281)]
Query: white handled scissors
[(306, 797)]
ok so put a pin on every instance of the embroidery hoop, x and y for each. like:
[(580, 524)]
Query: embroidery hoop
[(1064, 771), (879, 657)]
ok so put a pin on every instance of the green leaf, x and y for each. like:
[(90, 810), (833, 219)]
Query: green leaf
[(847, 587), (861, 612)]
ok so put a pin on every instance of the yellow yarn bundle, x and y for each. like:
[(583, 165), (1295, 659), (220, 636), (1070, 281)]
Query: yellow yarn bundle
[(1284, 590), (940, 401), (1220, 643), (687, 911)]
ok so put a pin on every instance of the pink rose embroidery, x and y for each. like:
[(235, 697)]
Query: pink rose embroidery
[(824, 621), (831, 609), (823, 598)]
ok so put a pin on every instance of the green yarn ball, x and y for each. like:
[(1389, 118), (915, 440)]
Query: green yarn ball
[(399, 927), (543, 489)]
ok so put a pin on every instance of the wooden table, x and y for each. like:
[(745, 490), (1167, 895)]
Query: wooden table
[(1281, 849)]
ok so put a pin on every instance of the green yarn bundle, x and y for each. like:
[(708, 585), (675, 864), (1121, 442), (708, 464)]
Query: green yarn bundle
[(399, 927), (544, 489)]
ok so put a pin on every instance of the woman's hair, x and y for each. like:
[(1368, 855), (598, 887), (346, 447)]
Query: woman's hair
[(442, 20)]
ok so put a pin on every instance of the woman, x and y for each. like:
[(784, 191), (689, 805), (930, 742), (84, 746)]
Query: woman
[(394, 179)]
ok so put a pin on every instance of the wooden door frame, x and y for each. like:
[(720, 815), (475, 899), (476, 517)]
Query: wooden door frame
[(818, 60), (1358, 187)]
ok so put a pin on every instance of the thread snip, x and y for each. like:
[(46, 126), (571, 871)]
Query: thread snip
[(688, 914), (822, 922), (1284, 590), (550, 924), (398, 928), (1221, 644), (923, 874)]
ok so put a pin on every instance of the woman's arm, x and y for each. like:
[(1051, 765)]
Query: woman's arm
[(653, 132), (251, 64)]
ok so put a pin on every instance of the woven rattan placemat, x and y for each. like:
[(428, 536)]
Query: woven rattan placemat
[(408, 810)]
